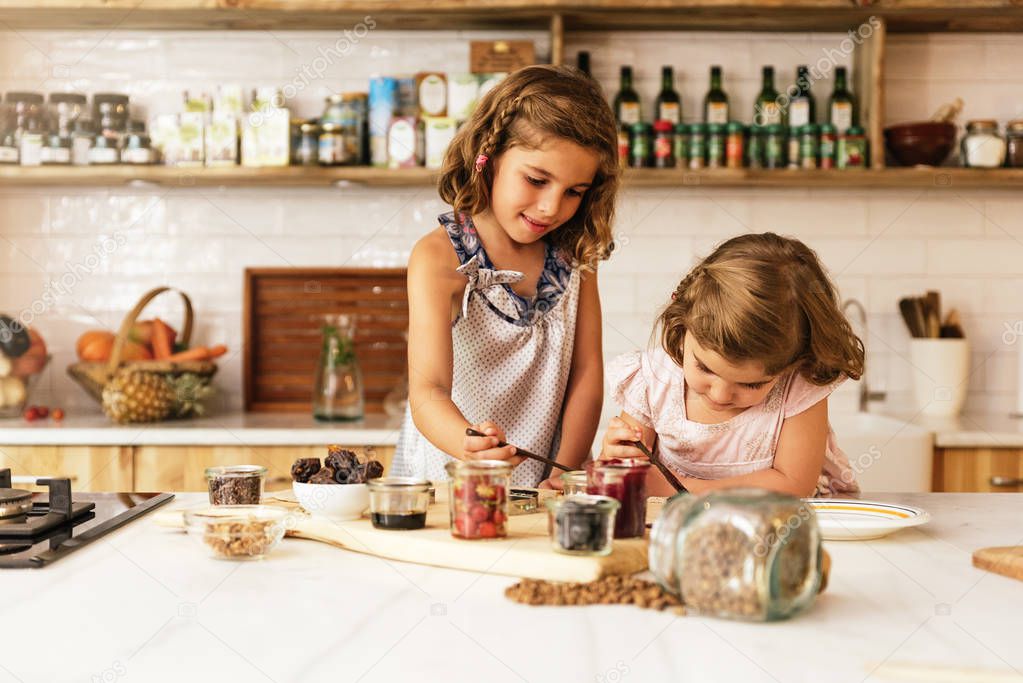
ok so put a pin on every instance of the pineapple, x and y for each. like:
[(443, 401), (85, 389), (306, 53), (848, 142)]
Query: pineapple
[(137, 396)]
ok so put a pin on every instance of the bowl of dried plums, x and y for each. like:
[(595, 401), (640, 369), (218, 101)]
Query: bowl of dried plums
[(336, 488)]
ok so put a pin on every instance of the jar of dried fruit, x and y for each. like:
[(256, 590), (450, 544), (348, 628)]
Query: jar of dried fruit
[(478, 498), (739, 553)]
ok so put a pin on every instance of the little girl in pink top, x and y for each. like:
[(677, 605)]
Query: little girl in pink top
[(751, 345)]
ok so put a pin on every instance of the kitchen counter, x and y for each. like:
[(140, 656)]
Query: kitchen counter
[(146, 604), (231, 429), (973, 431)]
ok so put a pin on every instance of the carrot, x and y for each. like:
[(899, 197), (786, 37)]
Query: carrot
[(163, 340), (217, 351), (194, 353)]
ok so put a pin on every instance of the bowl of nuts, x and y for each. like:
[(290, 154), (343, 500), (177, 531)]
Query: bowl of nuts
[(336, 488), (237, 532)]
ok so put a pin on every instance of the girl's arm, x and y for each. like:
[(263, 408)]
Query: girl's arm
[(433, 287), (584, 395), (797, 461)]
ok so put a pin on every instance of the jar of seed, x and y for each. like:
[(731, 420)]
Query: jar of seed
[(828, 145), (716, 145), (774, 146), (682, 145), (740, 553), (735, 142), (697, 146), (808, 146)]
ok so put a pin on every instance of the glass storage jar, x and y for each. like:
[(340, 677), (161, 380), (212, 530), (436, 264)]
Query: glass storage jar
[(582, 524), (623, 479), (398, 502), (573, 482), (478, 498), (338, 393), (739, 553), (982, 146), (236, 484), (1014, 144)]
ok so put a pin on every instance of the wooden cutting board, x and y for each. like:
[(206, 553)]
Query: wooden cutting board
[(1006, 560), (526, 552)]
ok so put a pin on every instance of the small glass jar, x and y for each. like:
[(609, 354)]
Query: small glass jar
[(809, 149), (66, 108), (137, 147), (105, 149), (478, 498), (664, 144), (56, 150), (755, 148), (333, 148), (338, 393), (774, 146), (735, 144), (573, 482), (307, 148), (81, 142), (625, 481), (828, 146), (236, 484), (792, 149), (739, 553), (398, 502), (697, 146), (1014, 144), (852, 149), (582, 524), (983, 147), (624, 147), (682, 145), (716, 145), (641, 153), (27, 108), (332, 110), (110, 113)]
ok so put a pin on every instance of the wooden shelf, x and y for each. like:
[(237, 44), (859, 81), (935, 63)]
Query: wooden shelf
[(297, 176), (744, 15)]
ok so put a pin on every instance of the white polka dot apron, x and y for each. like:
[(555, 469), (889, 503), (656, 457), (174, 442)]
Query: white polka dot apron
[(512, 358)]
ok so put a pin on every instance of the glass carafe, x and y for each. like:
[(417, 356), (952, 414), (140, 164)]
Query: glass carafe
[(338, 392)]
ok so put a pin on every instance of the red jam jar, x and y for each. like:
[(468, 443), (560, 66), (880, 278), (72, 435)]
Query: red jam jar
[(479, 498), (623, 479)]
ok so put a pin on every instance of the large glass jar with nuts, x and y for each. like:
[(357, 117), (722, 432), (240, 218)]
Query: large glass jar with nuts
[(739, 553)]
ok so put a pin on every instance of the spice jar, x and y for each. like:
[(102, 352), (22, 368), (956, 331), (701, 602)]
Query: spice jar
[(774, 146), (137, 147), (573, 482), (332, 111), (307, 149), (582, 524), (236, 484), (852, 148), (398, 502), (332, 148), (624, 480), (28, 112), (624, 147), (664, 144), (755, 148), (828, 146), (982, 146), (1014, 144), (110, 112), (81, 142), (682, 145), (478, 498), (808, 146), (66, 108), (792, 148), (641, 155), (697, 146), (735, 142), (105, 149), (739, 553), (715, 145), (56, 150), (8, 143)]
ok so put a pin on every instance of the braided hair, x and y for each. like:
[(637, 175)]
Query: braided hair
[(524, 109)]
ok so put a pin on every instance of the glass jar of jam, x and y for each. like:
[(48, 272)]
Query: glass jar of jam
[(624, 480), (478, 498), (664, 144), (739, 553), (582, 524), (1014, 144), (573, 482), (398, 502)]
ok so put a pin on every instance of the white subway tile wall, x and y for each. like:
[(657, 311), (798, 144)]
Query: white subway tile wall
[(76, 258)]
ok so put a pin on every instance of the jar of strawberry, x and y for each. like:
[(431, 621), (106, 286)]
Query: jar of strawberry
[(479, 498)]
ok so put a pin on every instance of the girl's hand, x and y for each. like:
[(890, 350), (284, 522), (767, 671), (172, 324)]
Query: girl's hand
[(486, 448), (552, 483), (618, 440)]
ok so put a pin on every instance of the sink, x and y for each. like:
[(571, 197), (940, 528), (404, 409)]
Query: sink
[(887, 454)]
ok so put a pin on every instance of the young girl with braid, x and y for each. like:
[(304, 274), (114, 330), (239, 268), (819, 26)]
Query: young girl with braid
[(504, 315), (752, 343)]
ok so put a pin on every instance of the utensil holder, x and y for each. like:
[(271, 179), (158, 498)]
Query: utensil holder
[(941, 369)]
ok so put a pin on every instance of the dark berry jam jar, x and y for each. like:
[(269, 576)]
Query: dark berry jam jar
[(624, 480)]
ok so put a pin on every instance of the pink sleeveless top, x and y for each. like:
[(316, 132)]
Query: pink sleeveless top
[(650, 386)]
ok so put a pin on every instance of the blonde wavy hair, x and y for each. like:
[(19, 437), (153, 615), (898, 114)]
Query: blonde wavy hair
[(528, 106), (765, 298)]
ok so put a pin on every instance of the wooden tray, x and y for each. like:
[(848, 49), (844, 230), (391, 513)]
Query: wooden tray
[(282, 331)]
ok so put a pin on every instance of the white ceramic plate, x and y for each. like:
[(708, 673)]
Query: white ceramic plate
[(860, 520)]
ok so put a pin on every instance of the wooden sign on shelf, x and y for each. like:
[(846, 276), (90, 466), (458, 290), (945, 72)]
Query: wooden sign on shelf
[(500, 56)]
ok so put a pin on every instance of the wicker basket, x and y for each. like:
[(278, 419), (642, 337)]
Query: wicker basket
[(93, 376)]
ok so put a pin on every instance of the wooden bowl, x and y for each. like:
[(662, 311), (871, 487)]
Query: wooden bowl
[(927, 143)]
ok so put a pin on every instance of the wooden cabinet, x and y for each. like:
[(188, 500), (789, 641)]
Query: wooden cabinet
[(182, 468), (980, 470), (90, 468)]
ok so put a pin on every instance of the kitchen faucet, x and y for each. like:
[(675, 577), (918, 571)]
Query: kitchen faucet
[(866, 395)]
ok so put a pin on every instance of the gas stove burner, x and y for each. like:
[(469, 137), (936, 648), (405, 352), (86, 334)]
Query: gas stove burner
[(14, 503)]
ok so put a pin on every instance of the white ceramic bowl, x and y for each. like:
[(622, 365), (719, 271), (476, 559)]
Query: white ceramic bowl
[(339, 502)]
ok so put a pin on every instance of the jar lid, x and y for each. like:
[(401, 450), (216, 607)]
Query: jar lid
[(333, 98), (682, 128), (67, 97), (331, 127), (349, 96), (854, 130), (640, 126), (28, 97), (411, 484), (309, 127), (663, 126), (574, 475), (111, 97), (698, 128), (478, 467), (736, 127), (716, 128), (808, 129), (982, 124), (827, 128), (774, 129), (1015, 126), (236, 471)]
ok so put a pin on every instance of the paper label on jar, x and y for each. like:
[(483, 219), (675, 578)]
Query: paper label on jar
[(630, 113), (433, 96), (717, 112), (799, 112), (669, 111), (841, 116)]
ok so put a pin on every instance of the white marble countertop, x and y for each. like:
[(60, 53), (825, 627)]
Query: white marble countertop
[(973, 431), (231, 429), (145, 604)]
